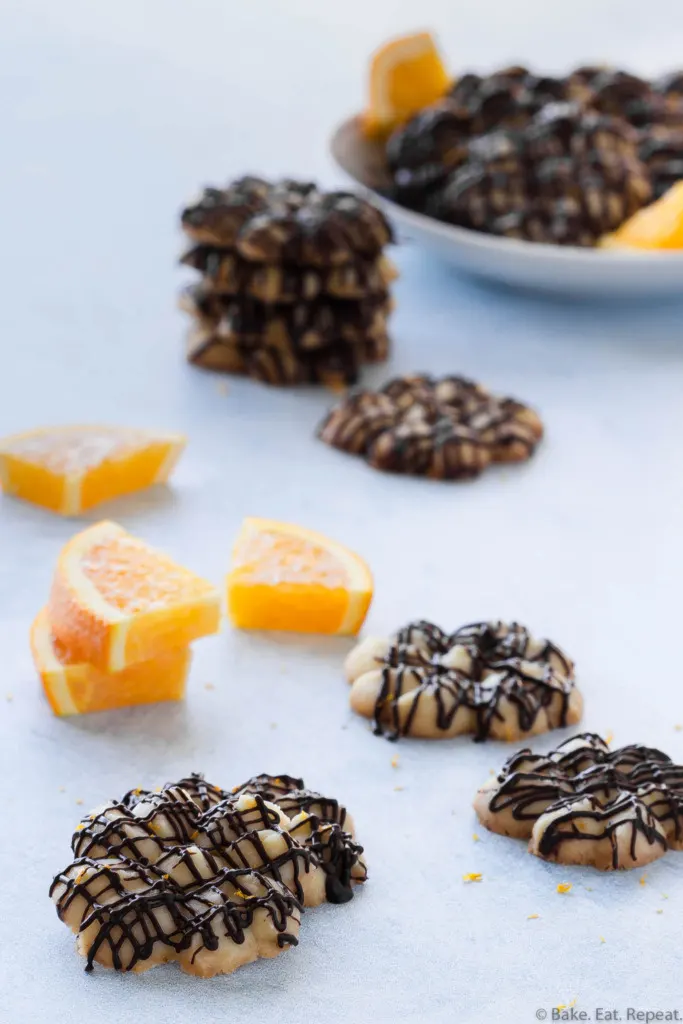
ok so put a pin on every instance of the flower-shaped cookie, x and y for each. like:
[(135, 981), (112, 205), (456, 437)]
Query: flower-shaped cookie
[(287, 222), (585, 804), (205, 877), (488, 678), (448, 428)]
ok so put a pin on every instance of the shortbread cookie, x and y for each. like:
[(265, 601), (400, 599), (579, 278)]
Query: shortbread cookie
[(292, 327), (208, 878), (227, 273), (585, 804), (489, 678), (337, 365), (449, 428), (287, 222)]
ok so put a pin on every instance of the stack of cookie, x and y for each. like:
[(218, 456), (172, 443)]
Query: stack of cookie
[(295, 283)]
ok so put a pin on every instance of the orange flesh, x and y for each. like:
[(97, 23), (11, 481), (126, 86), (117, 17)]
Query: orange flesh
[(105, 462), (657, 226), (133, 578), (281, 581), (150, 604), (89, 689), (406, 75)]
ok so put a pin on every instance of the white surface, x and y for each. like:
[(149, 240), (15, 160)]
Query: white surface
[(561, 270), (112, 114)]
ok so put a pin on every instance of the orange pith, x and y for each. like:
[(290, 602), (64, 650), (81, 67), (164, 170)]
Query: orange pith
[(287, 577), (657, 226), (406, 75), (73, 688), (71, 469), (115, 601)]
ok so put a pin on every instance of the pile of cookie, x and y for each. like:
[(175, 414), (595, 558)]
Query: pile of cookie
[(294, 286), (556, 160), (208, 878)]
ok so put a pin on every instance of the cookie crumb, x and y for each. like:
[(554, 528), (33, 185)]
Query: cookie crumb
[(222, 387), (533, 917), (209, 686), (394, 761), (399, 789), (79, 801), (678, 727), (473, 876), (62, 789), (475, 837), (564, 887)]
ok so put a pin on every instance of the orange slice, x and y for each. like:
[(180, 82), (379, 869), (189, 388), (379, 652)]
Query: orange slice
[(287, 577), (116, 601), (71, 469), (406, 74), (657, 226), (73, 688)]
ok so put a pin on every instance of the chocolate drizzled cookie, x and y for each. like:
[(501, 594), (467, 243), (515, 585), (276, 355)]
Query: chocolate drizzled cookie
[(585, 804), (491, 679), (566, 164), (568, 178), (226, 273), (208, 878), (295, 286), (449, 428), (287, 222)]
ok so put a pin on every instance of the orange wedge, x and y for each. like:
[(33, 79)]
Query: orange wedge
[(657, 226), (74, 689), (116, 601), (287, 577), (71, 469), (406, 74)]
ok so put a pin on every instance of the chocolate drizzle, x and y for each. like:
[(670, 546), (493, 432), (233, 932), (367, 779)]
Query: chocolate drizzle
[(584, 793), (474, 671), (448, 428), (187, 867), (322, 824)]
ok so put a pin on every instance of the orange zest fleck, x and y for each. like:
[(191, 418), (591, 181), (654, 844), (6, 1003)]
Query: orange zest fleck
[(564, 887), (473, 876)]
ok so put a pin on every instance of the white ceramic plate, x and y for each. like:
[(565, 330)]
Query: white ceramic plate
[(560, 269)]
